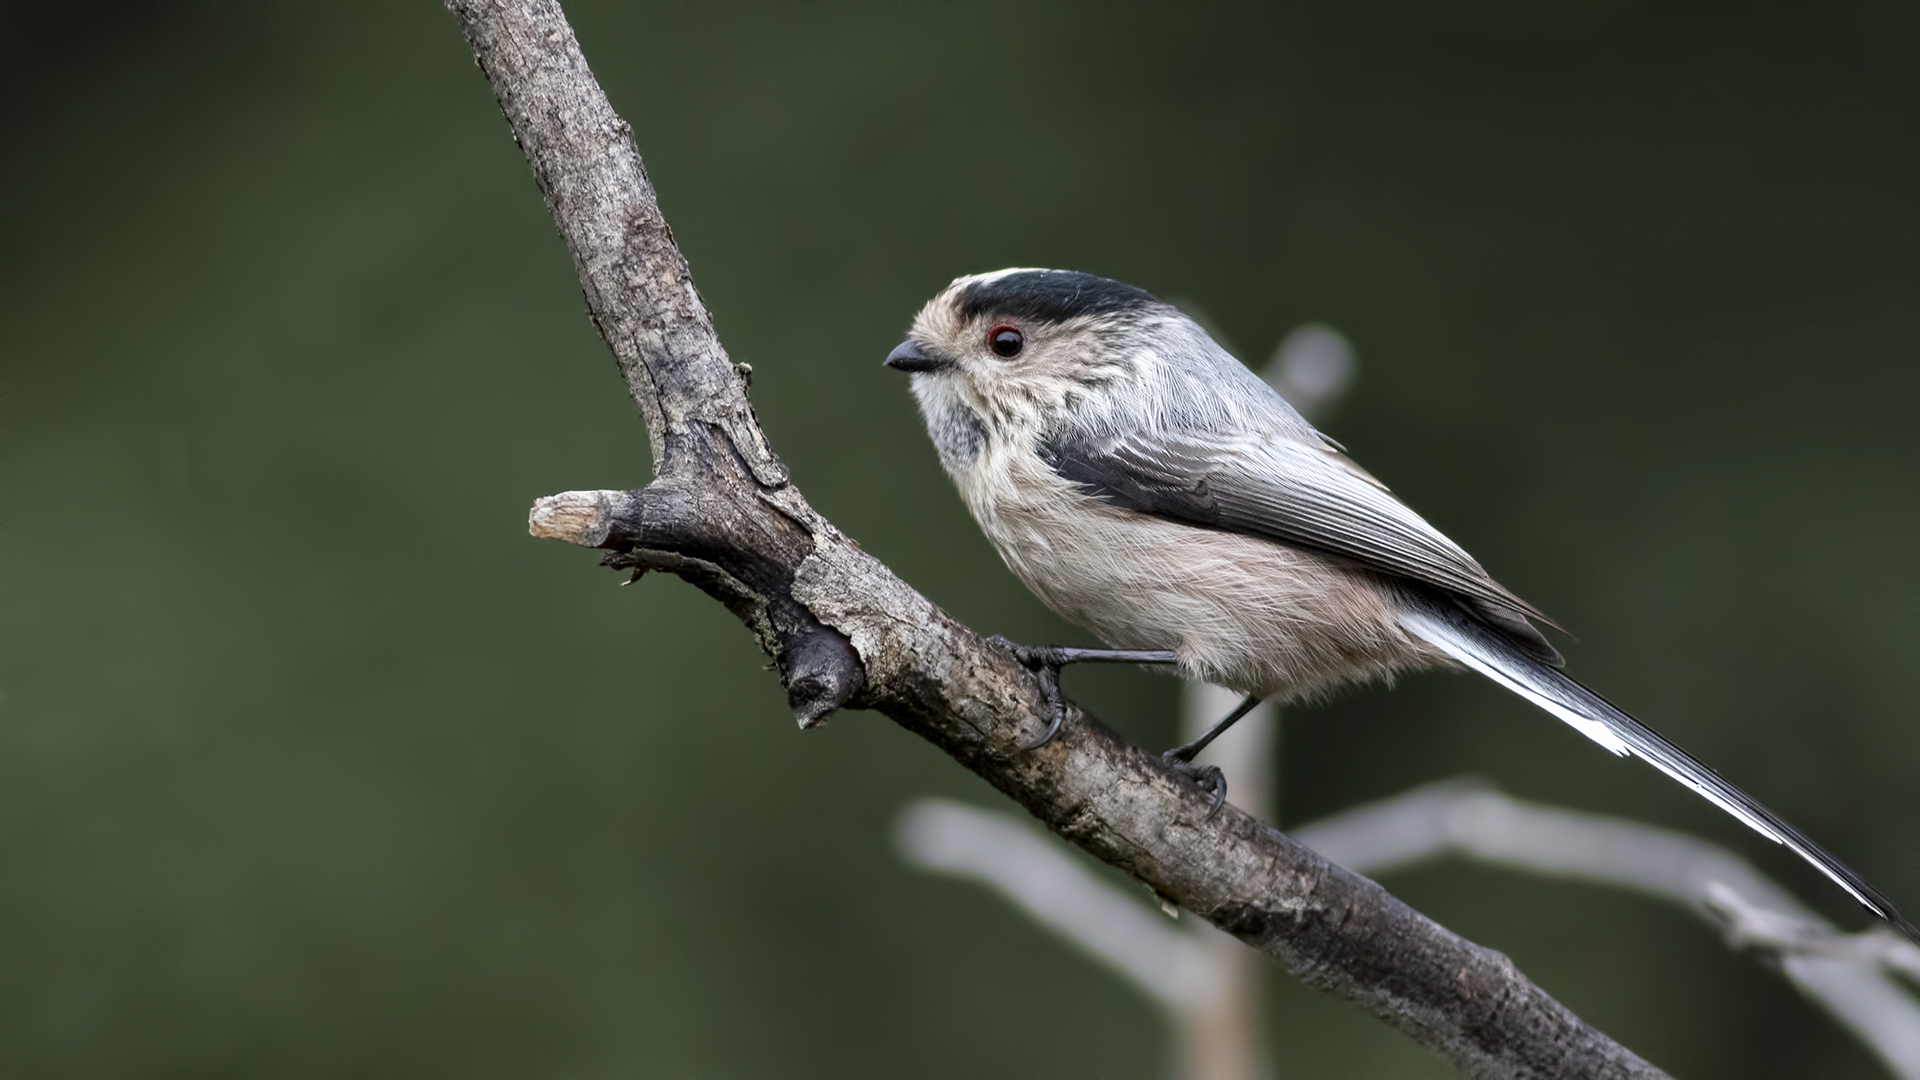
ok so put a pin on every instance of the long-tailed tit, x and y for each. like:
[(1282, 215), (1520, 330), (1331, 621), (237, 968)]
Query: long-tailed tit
[(1147, 486)]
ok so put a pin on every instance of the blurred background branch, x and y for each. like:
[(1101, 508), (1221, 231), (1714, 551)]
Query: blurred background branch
[(1467, 819), (1785, 935), (1201, 989)]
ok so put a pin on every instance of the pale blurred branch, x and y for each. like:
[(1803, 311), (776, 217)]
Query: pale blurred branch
[(1847, 975), (1141, 945), (1227, 1039), (1751, 927), (1207, 983)]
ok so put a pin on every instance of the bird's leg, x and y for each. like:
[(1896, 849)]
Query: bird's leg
[(1047, 660), (1180, 758)]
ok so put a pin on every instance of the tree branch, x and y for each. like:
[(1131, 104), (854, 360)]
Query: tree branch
[(844, 630)]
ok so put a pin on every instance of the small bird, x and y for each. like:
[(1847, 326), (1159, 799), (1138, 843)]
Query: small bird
[(1147, 486)]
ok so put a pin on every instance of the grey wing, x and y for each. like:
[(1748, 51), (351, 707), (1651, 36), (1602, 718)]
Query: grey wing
[(1304, 496)]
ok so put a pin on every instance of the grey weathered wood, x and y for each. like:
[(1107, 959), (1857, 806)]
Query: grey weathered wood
[(721, 513)]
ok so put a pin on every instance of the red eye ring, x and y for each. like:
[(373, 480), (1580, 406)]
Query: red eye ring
[(1005, 341)]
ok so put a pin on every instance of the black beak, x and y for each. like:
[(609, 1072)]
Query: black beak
[(909, 356)]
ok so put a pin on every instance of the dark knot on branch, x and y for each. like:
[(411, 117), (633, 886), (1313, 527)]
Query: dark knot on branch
[(821, 672)]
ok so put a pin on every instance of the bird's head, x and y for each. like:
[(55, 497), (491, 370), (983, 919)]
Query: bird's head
[(1019, 339), (1019, 351)]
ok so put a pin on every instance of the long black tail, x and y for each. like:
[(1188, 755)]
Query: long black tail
[(1480, 648)]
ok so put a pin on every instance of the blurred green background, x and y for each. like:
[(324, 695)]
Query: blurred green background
[(312, 762)]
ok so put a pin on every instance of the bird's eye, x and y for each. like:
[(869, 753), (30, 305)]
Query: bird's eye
[(1005, 341)]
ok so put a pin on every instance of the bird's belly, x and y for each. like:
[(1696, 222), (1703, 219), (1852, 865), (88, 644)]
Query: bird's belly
[(1242, 612)]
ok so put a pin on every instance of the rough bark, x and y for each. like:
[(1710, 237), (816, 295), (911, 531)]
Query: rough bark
[(845, 631)]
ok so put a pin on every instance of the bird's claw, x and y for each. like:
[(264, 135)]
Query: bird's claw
[(1208, 777), (1056, 706), (1045, 662)]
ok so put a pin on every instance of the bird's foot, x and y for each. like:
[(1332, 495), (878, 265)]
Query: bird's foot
[(1046, 661), (1209, 778), (1180, 758)]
